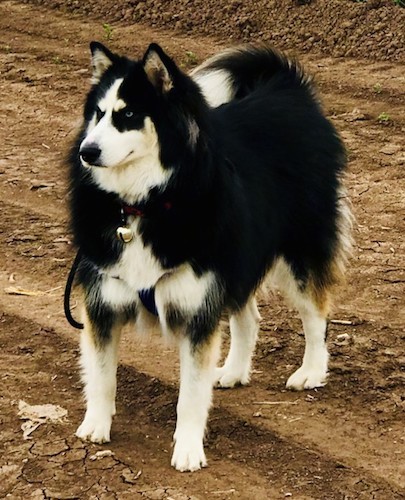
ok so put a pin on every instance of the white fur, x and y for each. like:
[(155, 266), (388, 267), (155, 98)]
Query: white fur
[(135, 179), (345, 230), (119, 104), (314, 368), (185, 290), (196, 379), (116, 292), (193, 132), (281, 277), (216, 86), (99, 368), (137, 267), (244, 327), (189, 292), (109, 101), (131, 159)]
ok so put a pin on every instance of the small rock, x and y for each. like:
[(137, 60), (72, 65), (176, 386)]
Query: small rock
[(130, 477), (343, 339), (102, 454), (9, 475), (158, 494), (390, 149), (355, 115), (37, 494), (60, 495)]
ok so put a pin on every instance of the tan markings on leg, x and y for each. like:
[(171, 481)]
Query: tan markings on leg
[(90, 330), (208, 352), (320, 293)]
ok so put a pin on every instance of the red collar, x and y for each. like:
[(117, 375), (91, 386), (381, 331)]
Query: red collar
[(140, 210), (134, 210)]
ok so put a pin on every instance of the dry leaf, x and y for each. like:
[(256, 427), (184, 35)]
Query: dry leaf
[(35, 415)]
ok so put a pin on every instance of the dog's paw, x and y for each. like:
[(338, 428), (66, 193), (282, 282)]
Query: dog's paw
[(307, 378), (94, 430), (226, 378), (188, 455)]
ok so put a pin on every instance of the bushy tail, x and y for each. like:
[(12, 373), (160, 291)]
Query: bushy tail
[(236, 72)]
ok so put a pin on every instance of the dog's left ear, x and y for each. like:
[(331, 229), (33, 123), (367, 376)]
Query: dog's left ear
[(159, 68)]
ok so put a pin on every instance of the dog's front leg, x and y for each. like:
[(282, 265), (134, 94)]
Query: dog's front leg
[(99, 356), (197, 373)]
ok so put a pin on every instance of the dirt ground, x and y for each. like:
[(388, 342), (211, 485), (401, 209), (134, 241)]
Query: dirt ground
[(344, 441)]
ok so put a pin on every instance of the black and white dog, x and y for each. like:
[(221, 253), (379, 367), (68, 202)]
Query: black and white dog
[(188, 193)]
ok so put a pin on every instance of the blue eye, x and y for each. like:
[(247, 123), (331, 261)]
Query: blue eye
[(129, 114)]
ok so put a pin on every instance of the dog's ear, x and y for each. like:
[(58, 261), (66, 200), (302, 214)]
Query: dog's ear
[(159, 69), (101, 60)]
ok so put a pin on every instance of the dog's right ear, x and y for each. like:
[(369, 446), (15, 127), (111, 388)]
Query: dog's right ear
[(101, 60), (159, 69)]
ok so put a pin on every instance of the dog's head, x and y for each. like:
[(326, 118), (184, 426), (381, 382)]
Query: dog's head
[(138, 109)]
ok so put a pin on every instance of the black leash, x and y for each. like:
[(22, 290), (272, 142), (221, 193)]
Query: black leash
[(124, 233), (68, 291), (146, 296)]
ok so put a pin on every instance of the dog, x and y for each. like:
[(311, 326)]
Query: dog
[(188, 193)]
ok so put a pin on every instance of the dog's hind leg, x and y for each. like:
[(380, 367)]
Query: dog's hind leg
[(314, 369), (99, 355), (244, 327), (197, 369)]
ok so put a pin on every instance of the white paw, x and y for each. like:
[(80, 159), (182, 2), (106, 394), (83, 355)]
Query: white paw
[(227, 378), (95, 429), (307, 378), (188, 455)]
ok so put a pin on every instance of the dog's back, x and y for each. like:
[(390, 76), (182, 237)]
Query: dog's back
[(286, 161)]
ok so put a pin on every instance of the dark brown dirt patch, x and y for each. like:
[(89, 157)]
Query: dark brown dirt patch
[(372, 29)]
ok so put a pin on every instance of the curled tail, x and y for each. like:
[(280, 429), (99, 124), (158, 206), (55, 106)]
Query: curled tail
[(237, 72)]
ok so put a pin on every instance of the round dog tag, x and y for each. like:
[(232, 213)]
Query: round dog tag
[(124, 234)]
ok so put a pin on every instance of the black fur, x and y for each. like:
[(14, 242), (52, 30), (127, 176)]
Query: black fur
[(261, 181)]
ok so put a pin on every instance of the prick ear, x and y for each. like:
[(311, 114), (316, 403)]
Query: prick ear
[(158, 68), (101, 60)]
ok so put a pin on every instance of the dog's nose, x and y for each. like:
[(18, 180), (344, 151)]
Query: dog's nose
[(90, 153)]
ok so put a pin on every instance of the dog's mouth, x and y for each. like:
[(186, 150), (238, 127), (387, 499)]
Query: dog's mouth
[(127, 156), (92, 165), (99, 164)]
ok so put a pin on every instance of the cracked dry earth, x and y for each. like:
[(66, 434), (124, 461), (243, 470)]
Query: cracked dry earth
[(344, 441)]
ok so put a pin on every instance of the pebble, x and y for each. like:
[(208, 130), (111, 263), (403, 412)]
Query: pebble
[(390, 149)]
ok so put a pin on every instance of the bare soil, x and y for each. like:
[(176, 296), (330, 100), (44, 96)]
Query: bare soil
[(344, 441)]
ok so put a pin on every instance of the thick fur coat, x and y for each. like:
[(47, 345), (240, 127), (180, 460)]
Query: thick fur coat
[(218, 181)]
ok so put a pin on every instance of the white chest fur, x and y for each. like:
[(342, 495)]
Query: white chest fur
[(136, 269)]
